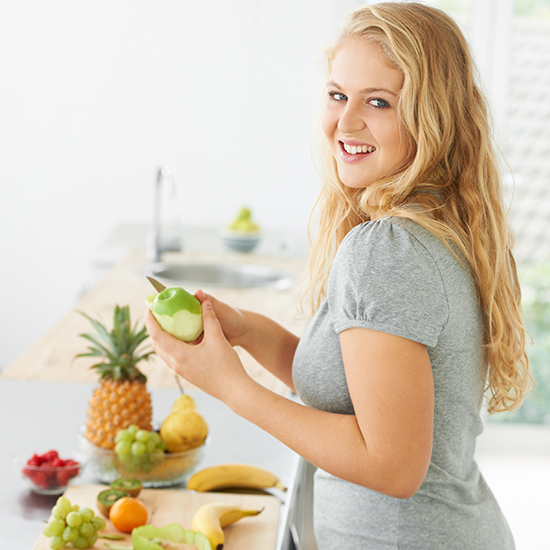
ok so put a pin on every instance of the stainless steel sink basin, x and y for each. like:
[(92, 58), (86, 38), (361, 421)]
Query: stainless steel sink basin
[(236, 275)]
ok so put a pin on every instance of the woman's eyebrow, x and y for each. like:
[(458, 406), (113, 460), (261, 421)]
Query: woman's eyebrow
[(333, 84)]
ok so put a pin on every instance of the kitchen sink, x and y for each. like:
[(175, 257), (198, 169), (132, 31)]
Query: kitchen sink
[(226, 274)]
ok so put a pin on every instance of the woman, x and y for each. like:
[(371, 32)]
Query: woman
[(415, 294)]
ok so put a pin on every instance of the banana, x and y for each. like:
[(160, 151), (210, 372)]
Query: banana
[(233, 475), (211, 518)]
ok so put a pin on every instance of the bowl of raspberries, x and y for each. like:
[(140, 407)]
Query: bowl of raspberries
[(48, 473)]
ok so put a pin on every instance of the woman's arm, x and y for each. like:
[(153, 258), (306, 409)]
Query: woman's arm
[(386, 446), (269, 343)]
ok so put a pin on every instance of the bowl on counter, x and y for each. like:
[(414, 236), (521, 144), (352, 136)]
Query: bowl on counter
[(152, 469), (50, 475), (239, 241)]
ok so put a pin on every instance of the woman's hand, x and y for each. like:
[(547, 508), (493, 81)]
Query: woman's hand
[(231, 320), (211, 363)]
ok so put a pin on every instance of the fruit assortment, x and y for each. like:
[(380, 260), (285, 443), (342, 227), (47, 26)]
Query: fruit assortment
[(138, 449), (72, 524), (49, 470)]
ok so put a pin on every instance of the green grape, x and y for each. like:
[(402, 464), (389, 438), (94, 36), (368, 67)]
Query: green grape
[(80, 543), (162, 445), (92, 539), (64, 503), (151, 446), (98, 523), (155, 438), (133, 429), (70, 534), (146, 465), (138, 448), (55, 527), (86, 514), (123, 448), (124, 435), (73, 519), (86, 529), (56, 542), (59, 513), (142, 435)]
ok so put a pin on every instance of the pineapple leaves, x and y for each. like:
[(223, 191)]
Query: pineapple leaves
[(118, 348)]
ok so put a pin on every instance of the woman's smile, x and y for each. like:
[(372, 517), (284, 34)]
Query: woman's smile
[(352, 151)]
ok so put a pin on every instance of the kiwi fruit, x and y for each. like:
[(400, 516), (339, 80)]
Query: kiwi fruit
[(107, 498), (130, 486)]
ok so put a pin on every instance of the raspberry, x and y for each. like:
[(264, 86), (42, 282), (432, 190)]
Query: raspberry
[(47, 477)]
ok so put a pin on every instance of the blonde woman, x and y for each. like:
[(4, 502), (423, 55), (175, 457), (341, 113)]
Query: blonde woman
[(415, 298)]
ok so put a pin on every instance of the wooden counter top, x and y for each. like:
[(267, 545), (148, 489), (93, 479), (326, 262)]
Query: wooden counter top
[(51, 358)]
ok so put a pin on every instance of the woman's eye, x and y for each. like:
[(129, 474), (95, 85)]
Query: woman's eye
[(379, 103), (337, 96)]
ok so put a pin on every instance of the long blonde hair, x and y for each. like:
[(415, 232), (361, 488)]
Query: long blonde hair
[(452, 173)]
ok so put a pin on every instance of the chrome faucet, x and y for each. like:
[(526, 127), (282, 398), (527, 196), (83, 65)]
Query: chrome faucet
[(157, 243)]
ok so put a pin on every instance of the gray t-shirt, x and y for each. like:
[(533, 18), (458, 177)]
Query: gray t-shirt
[(394, 276)]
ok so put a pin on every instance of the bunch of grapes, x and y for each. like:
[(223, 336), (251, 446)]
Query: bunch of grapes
[(73, 524), (139, 449)]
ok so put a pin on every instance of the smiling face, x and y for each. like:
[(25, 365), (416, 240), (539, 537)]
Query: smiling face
[(360, 119)]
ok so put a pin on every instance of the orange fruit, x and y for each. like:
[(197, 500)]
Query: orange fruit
[(127, 513)]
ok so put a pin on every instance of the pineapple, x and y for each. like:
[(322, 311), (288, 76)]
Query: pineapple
[(121, 399)]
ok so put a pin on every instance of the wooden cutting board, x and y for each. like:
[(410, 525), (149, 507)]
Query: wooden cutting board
[(167, 506)]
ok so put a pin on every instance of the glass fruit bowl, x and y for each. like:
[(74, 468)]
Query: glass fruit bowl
[(152, 469), (49, 473)]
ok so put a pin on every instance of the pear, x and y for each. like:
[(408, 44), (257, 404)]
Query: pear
[(184, 402), (183, 430)]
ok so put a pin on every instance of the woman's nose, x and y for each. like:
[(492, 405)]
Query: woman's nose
[(351, 120)]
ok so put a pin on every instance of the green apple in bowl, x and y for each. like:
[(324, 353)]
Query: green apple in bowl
[(177, 312)]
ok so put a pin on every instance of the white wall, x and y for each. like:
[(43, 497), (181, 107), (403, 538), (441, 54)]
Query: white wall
[(95, 93)]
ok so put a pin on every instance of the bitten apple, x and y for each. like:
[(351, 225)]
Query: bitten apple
[(177, 312)]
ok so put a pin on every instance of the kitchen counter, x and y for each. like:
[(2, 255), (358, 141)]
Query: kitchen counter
[(40, 415), (51, 358), (44, 393)]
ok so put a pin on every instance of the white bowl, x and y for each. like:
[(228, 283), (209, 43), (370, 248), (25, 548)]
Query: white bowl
[(239, 242)]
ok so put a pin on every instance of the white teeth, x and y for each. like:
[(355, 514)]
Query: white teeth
[(353, 150)]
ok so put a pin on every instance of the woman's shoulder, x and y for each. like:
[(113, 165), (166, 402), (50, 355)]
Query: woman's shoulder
[(391, 233)]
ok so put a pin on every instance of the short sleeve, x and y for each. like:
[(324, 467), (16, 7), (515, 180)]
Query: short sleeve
[(384, 277)]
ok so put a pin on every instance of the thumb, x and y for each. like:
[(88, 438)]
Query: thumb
[(209, 319)]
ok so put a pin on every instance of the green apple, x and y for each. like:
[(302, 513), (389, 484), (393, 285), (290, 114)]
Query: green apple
[(243, 223), (177, 312)]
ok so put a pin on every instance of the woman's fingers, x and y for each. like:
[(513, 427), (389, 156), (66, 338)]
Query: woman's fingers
[(210, 322), (200, 295)]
